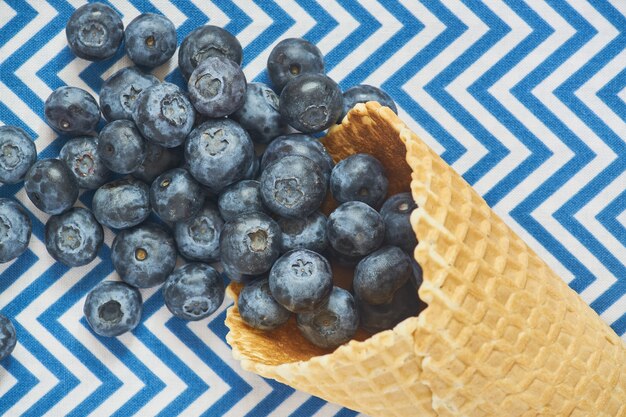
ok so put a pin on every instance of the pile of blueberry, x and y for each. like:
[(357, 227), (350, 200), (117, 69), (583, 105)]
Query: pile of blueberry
[(235, 177)]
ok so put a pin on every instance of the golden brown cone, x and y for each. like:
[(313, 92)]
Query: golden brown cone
[(503, 335)]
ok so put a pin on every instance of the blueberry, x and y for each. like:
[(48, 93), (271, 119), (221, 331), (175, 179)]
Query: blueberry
[(113, 308), (359, 177), (164, 114), (259, 114), (333, 323), (396, 213), (121, 147), (17, 154), (193, 291), (72, 111), (204, 42), (355, 229), (298, 144), (239, 198), (259, 309), (198, 238), (8, 337), (301, 280), (378, 317), (120, 91), (158, 160), (306, 233), (83, 159), (176, 196), (236, 276), (144, 256), (292, 57), (219, 153), (94, 32), (293, 187), (51, 186), (379, 275), (254, 170), (74, 237), (311, 103), (217, 87), (362, 94), (150, 40), (250, 244), (15, 230), (122, 203)]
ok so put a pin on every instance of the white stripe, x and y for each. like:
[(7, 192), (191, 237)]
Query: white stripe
[(434, 68), (518, 152), (389, 27), (457, 88), (346, 25), (46, 380), (6, 14), (217, 387), (45, 14), (433, 27)]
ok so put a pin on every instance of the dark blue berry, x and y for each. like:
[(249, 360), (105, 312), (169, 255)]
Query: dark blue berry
[(250, 244), (158, 160), (379, 275), (396, 213), (94, 32), (83, 159), (333, 323), (144, 256), (259, 309), (204, 42), (198, 238), (8, 337), (306, 233), (51, 186), (193, 291), (311, 103), (17, 154), (239, 198), (74, 237), (219, 153), (237, 276), (259, 114), (359, 177), (378, 317), (122, 203), (292, 57), (301, 280), (113, 308), (72, 111), (362, 94), (164, 114), (176, 196), (299, 144), (150, 40), (15, 230), (355, 229), (293, 187), (121, 147), (120, 91), (254, 170), (217, 87)]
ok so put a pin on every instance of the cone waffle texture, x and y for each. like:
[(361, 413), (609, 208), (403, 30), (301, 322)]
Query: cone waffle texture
[(502, 335)]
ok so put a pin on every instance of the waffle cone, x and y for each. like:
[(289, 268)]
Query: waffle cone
[(502, 335)]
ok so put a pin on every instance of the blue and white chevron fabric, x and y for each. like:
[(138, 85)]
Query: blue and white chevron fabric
[(526, 99)]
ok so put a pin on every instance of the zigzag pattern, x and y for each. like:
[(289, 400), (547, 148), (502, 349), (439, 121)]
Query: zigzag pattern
[(526, 99)]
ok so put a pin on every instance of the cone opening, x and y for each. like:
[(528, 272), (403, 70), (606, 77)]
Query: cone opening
[(368, 128)]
